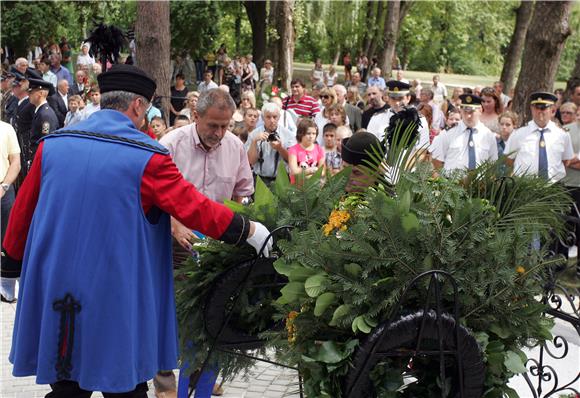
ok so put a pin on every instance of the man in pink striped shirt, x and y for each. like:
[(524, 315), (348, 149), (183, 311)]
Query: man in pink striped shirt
[(303, 105)]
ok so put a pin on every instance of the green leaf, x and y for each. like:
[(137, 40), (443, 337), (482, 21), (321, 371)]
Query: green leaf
[(291, 293), (510, 392), (405, 203), (265, 202), (384, 280), (282, 182), (235, 206), (428, 262), (315, 285), (409, 222), (353, 269), (500, 331), (329, 353), (300, 274), (323, 302), (495, 347), (283, 268), (513, 362), (341, 311), (359, 323)]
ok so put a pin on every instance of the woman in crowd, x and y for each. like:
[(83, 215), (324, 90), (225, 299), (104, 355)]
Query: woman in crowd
[(453, 118), (306, 157), (568, 113), (492, 108), (317, 73), (508, 122), (353, 97), (84, 58), (221, 56), (427, 111), (347, 67), (178, 95), (331, 77), (455, 101), (190, 104), (362, 65), (328, 98), (267, 74), (247, 76), (248, 100)]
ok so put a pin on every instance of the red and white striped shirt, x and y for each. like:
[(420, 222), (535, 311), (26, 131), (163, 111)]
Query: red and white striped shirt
[(305, 106)]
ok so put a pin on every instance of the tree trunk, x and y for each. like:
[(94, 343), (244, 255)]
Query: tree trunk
[(514, 52), (542, 51), (285, 44), (376, 39), (153, 41), (273, 37), (369, 33), (391, 33), (257, 16)]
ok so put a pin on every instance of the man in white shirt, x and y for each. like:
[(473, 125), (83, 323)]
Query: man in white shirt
[(439, 90), (466, 145), (207, 83), (540, 147)]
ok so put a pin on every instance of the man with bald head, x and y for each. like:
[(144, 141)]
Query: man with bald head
[(59, 101)]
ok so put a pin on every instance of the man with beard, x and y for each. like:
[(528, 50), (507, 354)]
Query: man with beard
[(376, 105)]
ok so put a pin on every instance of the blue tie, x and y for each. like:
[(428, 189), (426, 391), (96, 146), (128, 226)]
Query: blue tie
[(542, 156), (470, 150)]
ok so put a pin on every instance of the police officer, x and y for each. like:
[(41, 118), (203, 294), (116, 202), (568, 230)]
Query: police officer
[(397, 97), (468, 144), (45, 120), (540, 147)]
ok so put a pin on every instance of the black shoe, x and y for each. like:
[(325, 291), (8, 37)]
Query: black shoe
[(4, 300)]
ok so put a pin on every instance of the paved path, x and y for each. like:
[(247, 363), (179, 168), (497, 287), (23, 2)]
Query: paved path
[(264, 380)]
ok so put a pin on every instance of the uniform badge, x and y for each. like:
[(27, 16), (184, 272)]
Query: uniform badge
[(468, 99), (471, 144), (542, 144), (45, 128)]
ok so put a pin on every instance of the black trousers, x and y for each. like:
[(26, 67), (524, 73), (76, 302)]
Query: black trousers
[(71, 389)]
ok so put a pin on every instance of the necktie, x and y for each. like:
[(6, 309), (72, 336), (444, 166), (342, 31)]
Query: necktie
[(542, 156), (470, 150)]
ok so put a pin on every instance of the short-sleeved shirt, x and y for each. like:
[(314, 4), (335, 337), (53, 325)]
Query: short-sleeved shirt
[(451, 146), (8, 146), (220, 173), (306, 106), (378, 82), (380, 121), (268, 166), (524, 147)]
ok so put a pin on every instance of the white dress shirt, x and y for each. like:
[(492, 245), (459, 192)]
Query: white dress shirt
[(380, 122), (525, 145), (451, 146)]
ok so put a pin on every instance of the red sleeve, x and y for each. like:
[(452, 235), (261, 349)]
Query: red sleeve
[(164, 186), (23, 210)]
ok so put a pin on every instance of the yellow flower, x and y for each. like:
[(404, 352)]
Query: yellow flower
[(290, 327), (336, 220), (520, 270)]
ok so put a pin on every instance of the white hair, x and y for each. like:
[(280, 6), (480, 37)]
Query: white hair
[(270, 108)]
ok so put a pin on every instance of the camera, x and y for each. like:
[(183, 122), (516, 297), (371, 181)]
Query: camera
[(273, 137)]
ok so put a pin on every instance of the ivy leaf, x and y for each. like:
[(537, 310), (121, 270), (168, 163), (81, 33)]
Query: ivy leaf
[(353, 269), (341, 311), (405, 203), (513, 362), (409, 222), (315, 285), (323, 302), (291, 293)]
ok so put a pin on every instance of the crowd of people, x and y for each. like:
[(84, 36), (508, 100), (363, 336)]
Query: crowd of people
[(221, 140)]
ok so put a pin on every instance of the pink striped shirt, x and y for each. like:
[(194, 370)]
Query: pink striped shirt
[(306, 106)]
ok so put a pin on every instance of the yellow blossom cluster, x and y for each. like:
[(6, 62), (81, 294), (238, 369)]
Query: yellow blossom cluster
[(290, 327), (337, 220), (520, 270)]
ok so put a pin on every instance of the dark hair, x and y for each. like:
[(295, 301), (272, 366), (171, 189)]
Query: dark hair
[(490, 92), (297, 81), (303, 126), (180, 76), (160, 119), (329, 127), (181, 117), (467, 90)]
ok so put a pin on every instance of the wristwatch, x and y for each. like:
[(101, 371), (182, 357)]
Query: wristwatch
[(5, 187)]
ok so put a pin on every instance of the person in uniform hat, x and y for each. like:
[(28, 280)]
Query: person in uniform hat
[(398, 96), (468, 144), (45, 120), (96, 307), (540, 147)]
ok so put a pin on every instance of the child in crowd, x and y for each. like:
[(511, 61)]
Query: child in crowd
[(342, 132), (158, 126), (74, 114), (333, 160), (306, 157), (453, 119), (508, 122)]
